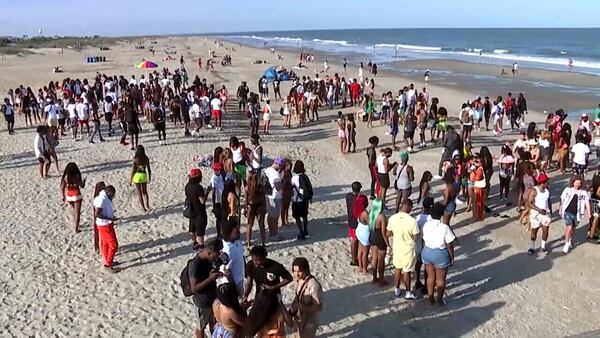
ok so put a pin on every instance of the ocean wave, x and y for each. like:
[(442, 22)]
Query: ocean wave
[(403, 46), (334, 42), (264, 38), (501, 51)]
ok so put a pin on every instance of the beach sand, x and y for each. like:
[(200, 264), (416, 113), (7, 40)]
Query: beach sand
[(53, 284)]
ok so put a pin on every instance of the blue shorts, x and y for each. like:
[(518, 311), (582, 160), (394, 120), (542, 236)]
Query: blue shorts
[(440, 258), (450, 207), (570, 219)]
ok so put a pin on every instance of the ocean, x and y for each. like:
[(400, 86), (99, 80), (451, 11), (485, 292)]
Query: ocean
[(543, 48)]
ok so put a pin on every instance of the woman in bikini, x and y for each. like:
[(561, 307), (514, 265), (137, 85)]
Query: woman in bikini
[(351, 133), (141, 175), (71, 184), (424, 186), (341, 124), (223, 97), (255, 206)]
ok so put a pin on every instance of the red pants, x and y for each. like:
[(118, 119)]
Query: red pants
[(108, 243)]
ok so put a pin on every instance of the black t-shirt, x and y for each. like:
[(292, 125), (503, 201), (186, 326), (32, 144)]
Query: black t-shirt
[(200, 270), (270, 274), (131, 116), (352, 222), (193, 192), (572, 207)]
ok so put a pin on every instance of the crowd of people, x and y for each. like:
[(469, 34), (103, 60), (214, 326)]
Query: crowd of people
[(241, 185)]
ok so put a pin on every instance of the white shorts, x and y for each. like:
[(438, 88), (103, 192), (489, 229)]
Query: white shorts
[(537, 220), (266, 117)]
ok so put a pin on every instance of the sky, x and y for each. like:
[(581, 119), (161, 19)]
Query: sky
[(128, 17)]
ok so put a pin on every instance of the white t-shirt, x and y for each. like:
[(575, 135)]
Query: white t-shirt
[(195, 111), (274, 178), (235, 251), (215, 103), (580, 150), (39, 145), (421, 220), (216, 182), (82, 111), (72, 111), (437, 234), (296, 190), (102, 201), (51, 112)]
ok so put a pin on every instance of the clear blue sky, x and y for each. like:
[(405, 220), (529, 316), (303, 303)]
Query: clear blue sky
[(127, 17)]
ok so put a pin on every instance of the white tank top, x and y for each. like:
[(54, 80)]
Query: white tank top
[(380, 165), (237, 155), (403, 181), (541, 199), (256, 164)]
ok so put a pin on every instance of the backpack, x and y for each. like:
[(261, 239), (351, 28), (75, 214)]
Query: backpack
[(187, 209), (264, 181), (185, 280), (464, 116), (306, 187), (159, 115)]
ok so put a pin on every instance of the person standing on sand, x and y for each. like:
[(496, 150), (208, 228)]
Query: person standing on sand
[(105, 222), (286, 192), (196, 202), (405, 232), (267, 113), (540, 212), (574, 206), (384, 167), (217, 114), (405, 175), (203, 285), (8, 112), (133, 125), (438, 253), (255, 206), (301, 199), (308, 302), (265, 273), (217, 187), (351, 197), (421, 219), (96, 121), (141, 175), (379, 242), (371, 161), (41, 148), (71, 184), (273, 195)]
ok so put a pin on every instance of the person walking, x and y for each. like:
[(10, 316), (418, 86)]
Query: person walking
[(574, 206), (302, 196), (141, 175), (105, 223), (71, 184)]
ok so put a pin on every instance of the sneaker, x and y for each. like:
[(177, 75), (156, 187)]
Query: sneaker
[(566, 248), (459, 202), (409, 295), (398, 293), (544, 250), (531, 251), (91, 141)]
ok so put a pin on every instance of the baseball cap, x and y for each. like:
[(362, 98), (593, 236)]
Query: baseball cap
[(195, 172), (584, 116), (217, 166), (541, 178)]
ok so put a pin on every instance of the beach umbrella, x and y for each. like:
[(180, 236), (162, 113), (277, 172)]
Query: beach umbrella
[(146, 64)]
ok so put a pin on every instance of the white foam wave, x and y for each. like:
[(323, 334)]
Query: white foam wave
[(501, 51), (334, 42), (402, 46)]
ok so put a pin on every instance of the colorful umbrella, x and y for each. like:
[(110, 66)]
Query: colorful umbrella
[(146, 64)]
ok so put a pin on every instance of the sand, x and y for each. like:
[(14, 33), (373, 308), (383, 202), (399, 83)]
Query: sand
[(53, 284)]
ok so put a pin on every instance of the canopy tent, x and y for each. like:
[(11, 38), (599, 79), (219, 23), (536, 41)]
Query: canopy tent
[(270, 73)]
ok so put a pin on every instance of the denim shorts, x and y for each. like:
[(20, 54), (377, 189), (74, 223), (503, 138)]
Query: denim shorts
[(440, 258), (450, 207), (570, 219)]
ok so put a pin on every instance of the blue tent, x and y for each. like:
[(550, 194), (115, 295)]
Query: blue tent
[(270, 73)]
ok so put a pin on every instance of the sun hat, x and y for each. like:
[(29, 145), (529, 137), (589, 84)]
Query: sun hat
[(195, 172)]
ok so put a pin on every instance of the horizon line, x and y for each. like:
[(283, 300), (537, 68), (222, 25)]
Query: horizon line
[(285, 30)]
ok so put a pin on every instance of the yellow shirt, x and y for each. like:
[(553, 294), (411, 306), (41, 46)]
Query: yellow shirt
[(403, 226)]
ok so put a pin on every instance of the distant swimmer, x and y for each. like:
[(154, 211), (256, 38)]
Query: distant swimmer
[(426, 75), (515, 69), (570, 65)]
